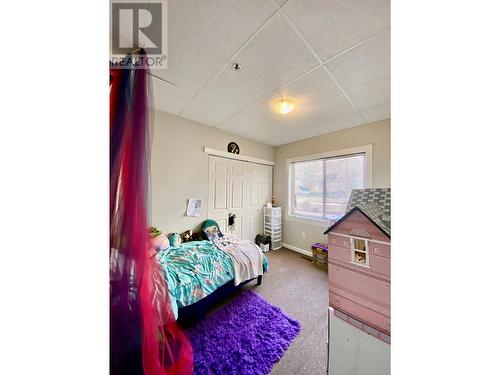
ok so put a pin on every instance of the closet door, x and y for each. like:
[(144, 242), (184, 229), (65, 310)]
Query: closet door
[(254, 200), (237, 182), (267, 183), (260, 190), (218, 191), (240, 188)]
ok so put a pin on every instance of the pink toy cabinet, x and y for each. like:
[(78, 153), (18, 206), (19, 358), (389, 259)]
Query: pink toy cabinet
[(359, 263)]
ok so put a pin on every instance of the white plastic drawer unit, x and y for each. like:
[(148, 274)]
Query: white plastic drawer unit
[(274, 238), (273, 220), (272, 225), (272, 211), (272, 230), (275, 245)]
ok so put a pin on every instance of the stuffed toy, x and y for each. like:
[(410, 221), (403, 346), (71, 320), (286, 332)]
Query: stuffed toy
[(196, 237), (211, 229), (186, 236), (160, 242), (154, 232), (174, 239)]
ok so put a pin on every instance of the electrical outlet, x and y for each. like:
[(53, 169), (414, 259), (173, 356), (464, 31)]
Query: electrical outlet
[(303, 234)]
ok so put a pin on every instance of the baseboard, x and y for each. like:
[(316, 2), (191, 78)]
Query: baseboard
[(297, 249)]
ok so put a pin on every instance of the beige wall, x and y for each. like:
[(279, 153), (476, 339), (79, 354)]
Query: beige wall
[(377, 133), (179, 167)]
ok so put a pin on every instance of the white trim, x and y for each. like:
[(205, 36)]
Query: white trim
[(361, 238), (297, 249), (228, 155), (359, 264), (309, 221), (366, 251), (366, 149)]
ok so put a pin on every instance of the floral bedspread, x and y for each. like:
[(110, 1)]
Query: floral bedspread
[(195, 269)]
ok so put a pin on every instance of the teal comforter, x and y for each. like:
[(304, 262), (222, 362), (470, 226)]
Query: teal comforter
[(195, 269)]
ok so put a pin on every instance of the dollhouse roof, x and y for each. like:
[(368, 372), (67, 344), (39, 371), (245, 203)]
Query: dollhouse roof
[(375, 204)]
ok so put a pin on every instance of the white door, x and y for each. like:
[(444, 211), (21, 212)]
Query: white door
[(240, 188), (253, 201), (218, 191), (259, 182), (237, 195), (267, 183)]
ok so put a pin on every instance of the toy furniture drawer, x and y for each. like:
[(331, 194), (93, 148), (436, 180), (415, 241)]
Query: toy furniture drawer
[(360, 312), (380, 249), (339, 240)]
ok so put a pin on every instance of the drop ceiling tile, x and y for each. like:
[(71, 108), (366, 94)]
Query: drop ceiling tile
[(275, 56), (333, 26), (377, 113), (265, 134), (372, 95), (258, 114), (311, 89), (330, 115), (306, 92), (203, 35), (168, 98), (339, 123), (280, 2), (364, 64), (327, 125)]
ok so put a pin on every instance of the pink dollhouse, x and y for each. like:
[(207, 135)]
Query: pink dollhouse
[(359, 262)]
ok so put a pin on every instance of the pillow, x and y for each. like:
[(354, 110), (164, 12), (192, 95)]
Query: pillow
[(160, 242), (174, 239)]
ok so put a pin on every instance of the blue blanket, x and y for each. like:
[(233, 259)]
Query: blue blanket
[(195, 269)]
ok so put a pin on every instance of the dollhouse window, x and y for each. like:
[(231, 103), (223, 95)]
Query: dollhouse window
[(359, 251)]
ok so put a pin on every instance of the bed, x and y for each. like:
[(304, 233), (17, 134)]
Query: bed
[(196, 273)]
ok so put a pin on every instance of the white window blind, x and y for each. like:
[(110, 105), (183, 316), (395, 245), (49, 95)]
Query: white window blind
[(319, 189)]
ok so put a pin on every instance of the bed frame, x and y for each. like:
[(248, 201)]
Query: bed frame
[(189, 315)]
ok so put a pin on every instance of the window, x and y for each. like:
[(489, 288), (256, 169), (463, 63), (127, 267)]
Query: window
[(319, 188), (359, 251)]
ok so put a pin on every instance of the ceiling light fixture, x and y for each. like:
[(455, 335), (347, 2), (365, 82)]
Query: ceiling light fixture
[(284, 106)]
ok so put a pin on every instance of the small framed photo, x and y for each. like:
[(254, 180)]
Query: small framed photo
[(193, 207)]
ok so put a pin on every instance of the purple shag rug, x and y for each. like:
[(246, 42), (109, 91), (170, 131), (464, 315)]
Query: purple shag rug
[(246, 337)]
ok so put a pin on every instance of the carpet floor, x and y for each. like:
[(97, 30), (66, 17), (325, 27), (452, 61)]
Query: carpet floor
[(300, 290)]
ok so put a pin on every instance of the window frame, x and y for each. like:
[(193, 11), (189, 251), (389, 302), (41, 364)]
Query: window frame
[(365, 251), (367, 150)]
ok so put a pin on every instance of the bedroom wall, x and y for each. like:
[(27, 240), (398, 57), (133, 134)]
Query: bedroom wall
[(179, 167), (298, 234)]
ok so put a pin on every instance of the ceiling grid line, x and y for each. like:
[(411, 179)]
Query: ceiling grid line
[(286, 84), (231, 59), (164, 80), (343, 52), (320, 61), (348, 40)]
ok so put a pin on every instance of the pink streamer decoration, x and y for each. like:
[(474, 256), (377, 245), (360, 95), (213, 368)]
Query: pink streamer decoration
[(140, 305)]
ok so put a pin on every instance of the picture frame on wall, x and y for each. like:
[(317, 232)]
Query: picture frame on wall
[(193, 207)]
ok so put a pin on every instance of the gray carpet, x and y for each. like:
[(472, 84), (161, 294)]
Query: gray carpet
[(300, 289)]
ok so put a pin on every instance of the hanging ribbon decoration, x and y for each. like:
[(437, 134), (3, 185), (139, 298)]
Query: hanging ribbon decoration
[(144, 337)]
